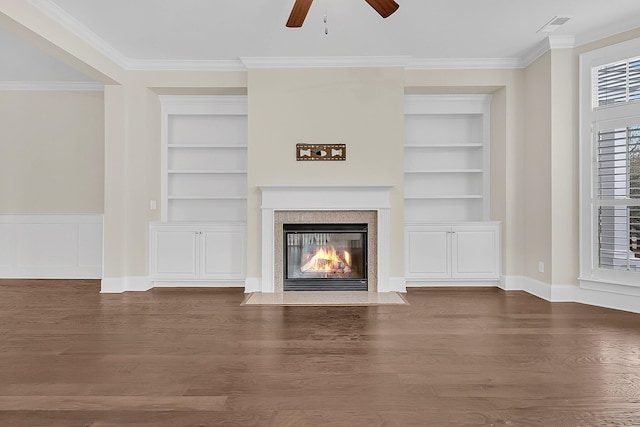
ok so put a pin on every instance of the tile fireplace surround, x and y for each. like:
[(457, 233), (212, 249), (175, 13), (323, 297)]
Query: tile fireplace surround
[(324, 204)]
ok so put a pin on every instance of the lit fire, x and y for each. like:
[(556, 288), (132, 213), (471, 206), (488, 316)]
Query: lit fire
[(328, 260)]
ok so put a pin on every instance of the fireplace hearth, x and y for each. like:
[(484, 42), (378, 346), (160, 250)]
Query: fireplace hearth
[(325, 257)]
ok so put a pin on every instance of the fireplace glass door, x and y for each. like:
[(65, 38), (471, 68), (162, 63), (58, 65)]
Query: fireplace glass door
[(325, 257)]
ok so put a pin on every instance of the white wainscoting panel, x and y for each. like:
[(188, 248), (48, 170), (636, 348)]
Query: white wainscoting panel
[(51, 246)]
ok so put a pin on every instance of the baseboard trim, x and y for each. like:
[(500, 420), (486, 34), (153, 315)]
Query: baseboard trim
[(453, 284), (198, 284), (572, 293), (397, 284), (118, 285), (252, 284)]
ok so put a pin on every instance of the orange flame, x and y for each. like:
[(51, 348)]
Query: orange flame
[(327, 260)]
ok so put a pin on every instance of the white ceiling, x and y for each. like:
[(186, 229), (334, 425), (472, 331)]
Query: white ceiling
[(225, 30)]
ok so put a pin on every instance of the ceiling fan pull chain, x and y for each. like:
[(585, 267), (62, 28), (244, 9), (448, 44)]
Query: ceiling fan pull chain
[(326, 27)]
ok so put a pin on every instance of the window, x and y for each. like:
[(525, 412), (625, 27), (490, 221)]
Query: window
[(610, 165), (617, 82), (618, 191)]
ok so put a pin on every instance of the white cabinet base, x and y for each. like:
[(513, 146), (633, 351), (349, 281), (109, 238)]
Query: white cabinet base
[(203, 254), (461, 254)]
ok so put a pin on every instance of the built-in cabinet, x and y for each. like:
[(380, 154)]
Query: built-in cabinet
[(202, 235), (466, 251), (197, 252), (448, 235)]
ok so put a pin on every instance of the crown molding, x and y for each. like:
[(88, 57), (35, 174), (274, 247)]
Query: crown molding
[(185, 65), (463, 63), (57, 14), (52, 86), (325, 62), (550, 42)]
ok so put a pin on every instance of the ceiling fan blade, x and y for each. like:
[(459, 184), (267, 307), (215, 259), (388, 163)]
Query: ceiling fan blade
[(384, 7), (298, 13)]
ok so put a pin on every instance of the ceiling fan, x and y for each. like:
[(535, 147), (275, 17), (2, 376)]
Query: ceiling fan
[(300, 8)]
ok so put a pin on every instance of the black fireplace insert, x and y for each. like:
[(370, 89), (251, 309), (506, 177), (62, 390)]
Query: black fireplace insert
[(325, 257)]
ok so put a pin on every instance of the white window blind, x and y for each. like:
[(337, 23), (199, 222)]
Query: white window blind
[(618, 82), (618, 197)]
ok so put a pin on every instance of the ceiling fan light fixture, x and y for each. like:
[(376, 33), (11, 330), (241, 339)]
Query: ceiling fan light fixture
[(385, 8), (301, 7)]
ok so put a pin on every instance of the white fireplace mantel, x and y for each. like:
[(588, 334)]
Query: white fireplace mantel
[(329, 198)]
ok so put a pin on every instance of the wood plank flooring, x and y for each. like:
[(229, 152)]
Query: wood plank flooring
[(70, 356)]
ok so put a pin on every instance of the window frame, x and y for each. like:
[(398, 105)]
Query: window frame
[(592, 119)]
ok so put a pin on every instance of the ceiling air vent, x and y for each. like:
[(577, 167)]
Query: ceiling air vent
[(553, 24)]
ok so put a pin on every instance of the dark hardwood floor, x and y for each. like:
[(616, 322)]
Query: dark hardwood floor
[(70, 356)]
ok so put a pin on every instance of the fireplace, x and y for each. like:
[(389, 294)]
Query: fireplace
[(320, 204), (325, 257)]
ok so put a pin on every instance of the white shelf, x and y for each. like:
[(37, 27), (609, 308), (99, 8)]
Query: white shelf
[(444, 171), (180, 172), (463, 196), (206, 198), (206, 146), (452, 145)]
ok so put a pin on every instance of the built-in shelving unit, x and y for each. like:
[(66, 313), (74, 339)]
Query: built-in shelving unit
[(448, 236), (204, 158), (446, 166), (201, 240)]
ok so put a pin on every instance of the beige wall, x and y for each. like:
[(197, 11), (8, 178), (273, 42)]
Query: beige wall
[(51, 152), (564, 171), (360, 107), (537, 169)]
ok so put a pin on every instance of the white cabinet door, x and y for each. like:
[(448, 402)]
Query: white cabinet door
[(174, 253), (475, 252), (223, 253), (428, 252)]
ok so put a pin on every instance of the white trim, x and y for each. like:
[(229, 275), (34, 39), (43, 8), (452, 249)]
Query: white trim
[(555, 293), (56, 13), (325, 61), (252, 284), (117, 285), (198, 284), (590, 292), (111, 285), (464, 64), (511, 283), (550, 42), (561, 42), (397, 284), (185, 65), (52, 86), (449, 283)]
